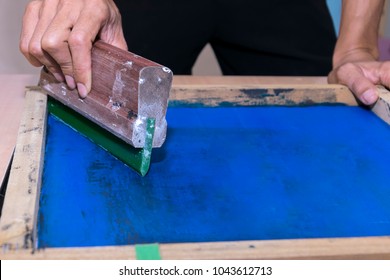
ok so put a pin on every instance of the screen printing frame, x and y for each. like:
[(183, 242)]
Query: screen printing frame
[(18, 223)]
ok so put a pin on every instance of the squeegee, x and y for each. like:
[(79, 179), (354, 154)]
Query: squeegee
[(125, 111)]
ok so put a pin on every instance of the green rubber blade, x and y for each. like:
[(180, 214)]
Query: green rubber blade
[(136, 158)]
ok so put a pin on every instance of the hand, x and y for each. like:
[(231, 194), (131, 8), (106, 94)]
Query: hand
[(59, 34), (361, 72)]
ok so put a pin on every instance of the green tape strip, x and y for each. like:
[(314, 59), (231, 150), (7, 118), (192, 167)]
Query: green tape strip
[(147, 252)]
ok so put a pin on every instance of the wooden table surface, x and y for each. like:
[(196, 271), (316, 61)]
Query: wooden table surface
[(12, 99)]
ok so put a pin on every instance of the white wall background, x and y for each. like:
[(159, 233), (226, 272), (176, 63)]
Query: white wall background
[(11, 61)]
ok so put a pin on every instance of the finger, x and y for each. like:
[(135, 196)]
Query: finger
[(80, 43), (55, 41), (47, 13), (30, 20), (384, 74), (362, 86)]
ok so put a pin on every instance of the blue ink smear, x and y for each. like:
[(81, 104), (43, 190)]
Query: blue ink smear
[(224, 174)]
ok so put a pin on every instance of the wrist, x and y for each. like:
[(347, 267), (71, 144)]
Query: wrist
[(357, 54)]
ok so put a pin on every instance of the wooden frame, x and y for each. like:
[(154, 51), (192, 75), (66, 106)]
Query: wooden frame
[(19, 216)]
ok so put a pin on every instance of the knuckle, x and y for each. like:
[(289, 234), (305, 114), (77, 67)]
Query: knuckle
[(66, 67), (79, 68), (66, 4), (102, 9), (35, 49), (343, 73), (79, 39), (52, 69), (50, 43), (101, 13), (23, 46), (356, 85)]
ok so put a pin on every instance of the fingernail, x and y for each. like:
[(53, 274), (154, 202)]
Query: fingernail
[(70, 82), (82, 90), (59, 77), (369, 97)]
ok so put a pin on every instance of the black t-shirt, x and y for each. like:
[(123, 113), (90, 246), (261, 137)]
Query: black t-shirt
[(249, 37)]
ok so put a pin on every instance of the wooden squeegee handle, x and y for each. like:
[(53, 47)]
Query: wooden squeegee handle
[(127, 89)]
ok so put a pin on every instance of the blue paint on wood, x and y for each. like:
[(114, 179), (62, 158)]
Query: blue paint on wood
[(224, 174)]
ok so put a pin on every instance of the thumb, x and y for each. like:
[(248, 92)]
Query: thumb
[(353, 77)]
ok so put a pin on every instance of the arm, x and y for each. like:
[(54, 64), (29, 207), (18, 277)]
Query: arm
[(355, 57), (59, 34)]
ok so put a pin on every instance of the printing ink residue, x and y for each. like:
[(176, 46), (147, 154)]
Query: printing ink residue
[(224, 174)]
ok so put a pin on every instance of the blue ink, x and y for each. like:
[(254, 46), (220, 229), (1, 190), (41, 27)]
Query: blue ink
[(224, 174)]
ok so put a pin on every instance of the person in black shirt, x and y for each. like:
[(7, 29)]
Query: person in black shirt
[(249, 37)]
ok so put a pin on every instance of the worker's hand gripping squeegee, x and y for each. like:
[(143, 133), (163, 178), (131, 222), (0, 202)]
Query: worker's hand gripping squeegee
[(125, 111)]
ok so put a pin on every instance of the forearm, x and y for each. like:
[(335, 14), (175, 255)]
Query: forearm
[(358, 36)]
